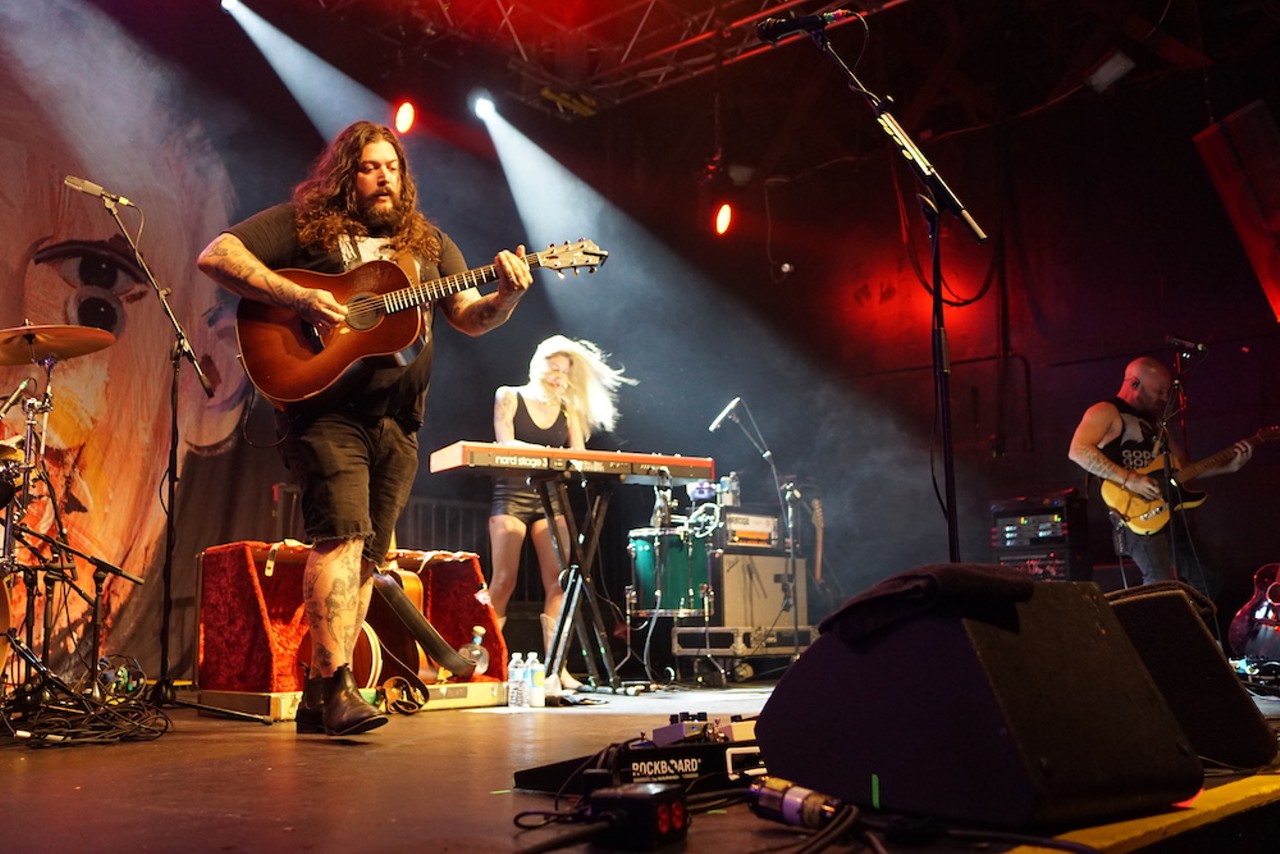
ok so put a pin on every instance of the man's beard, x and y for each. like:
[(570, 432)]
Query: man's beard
[(382, 221)]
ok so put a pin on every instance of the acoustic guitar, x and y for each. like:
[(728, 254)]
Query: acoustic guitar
[(1146, 517), (1255, 629), (289, 360)]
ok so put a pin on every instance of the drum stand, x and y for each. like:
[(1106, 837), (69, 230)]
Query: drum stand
[(577, 557), (39, 685)]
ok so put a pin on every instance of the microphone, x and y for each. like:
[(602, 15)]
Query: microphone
[(15, 397), (95, 190), (771, 30), (724, 413), (1183, 343)]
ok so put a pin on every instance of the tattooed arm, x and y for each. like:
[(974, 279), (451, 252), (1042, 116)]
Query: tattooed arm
[(474, 314), (1101, 424), (229, 263)]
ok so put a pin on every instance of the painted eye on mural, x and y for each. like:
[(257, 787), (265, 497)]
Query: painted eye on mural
[(102, 278)]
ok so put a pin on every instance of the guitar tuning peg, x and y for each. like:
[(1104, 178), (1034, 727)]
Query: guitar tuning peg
[(560, 273), (576, 271)]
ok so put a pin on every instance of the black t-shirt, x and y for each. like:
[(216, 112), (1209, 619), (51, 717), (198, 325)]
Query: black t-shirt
[(379, 387)]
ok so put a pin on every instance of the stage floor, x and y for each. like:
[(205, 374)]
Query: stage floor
[(436, 780)]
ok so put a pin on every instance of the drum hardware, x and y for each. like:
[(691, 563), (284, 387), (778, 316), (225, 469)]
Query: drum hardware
[(22, 461)]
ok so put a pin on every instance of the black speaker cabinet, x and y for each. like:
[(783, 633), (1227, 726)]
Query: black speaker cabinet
[(1202, 689), (1031, 714)]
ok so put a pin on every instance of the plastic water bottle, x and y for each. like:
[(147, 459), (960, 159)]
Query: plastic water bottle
[(516, 691), (475, 650), (537, 679)]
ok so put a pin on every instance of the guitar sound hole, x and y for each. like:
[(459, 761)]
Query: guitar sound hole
[(364, 311)]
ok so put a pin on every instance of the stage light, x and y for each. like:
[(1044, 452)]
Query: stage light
[(482, 105), (720, 193), (227, 5), (723, 219), (405, 115)]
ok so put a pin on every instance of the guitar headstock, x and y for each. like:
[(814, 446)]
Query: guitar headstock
[(1267, 434), (573, 256)]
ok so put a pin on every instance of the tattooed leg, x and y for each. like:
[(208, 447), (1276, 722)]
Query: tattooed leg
[(331, 597)]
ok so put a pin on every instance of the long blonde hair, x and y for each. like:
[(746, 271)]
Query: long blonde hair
[(592, 396)]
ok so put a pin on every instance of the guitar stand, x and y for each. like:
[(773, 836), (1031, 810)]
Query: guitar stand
[(576, 558)]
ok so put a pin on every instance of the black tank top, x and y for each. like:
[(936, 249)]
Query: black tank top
[(1132, 454), (526, 430)]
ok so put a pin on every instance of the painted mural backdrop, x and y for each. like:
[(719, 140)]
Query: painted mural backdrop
[(92, 104)]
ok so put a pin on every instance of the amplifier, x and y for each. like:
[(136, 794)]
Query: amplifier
[(750, 529), (1042, 566), (1045, 536)]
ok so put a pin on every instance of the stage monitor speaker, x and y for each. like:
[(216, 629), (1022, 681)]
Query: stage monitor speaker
[(1202, 689), (749, 590), (1035, 713)]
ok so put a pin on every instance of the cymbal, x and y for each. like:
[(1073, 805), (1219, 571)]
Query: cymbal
[(23, 345)]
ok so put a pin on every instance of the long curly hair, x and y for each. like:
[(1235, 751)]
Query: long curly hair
[(326, 201)]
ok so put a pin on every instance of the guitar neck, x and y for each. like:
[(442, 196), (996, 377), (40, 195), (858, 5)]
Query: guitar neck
[(1194, 470), (425, 292)]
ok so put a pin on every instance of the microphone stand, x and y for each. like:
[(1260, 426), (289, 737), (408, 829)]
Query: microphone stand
[(784, 495), (936, 200), (163, 692), (101, 569)]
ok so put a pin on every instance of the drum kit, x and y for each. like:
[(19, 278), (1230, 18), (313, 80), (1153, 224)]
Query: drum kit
[(21, 467), (671, 561)]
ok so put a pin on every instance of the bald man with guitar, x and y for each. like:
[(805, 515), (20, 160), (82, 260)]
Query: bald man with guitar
[(1120, 441)]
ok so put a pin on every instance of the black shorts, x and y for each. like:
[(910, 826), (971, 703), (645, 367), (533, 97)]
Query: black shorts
[(355, 476), (514, 497)]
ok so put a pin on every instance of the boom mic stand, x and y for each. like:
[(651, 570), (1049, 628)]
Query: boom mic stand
[(784, 502), (937, 199), (163, 692)]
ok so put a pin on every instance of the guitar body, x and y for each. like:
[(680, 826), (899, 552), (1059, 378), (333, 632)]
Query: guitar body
[(1147, 517), (289, 361), (1255, 629), (1143, 516)]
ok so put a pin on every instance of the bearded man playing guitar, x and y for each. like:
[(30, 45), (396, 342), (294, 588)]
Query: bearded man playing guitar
[(353, 443), (1121, 442)]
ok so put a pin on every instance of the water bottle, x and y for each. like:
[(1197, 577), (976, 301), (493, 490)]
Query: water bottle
[(730, 490), (475, 651), (537, 679), (516, 681)]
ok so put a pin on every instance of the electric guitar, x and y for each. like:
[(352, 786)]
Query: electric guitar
[(289, 360), (1146, 517)]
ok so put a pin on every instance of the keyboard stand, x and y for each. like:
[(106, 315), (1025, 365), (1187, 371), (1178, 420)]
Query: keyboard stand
[(577, 558)]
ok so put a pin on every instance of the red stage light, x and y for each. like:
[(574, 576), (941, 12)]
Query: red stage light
[(405, 114), (723, 219)]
